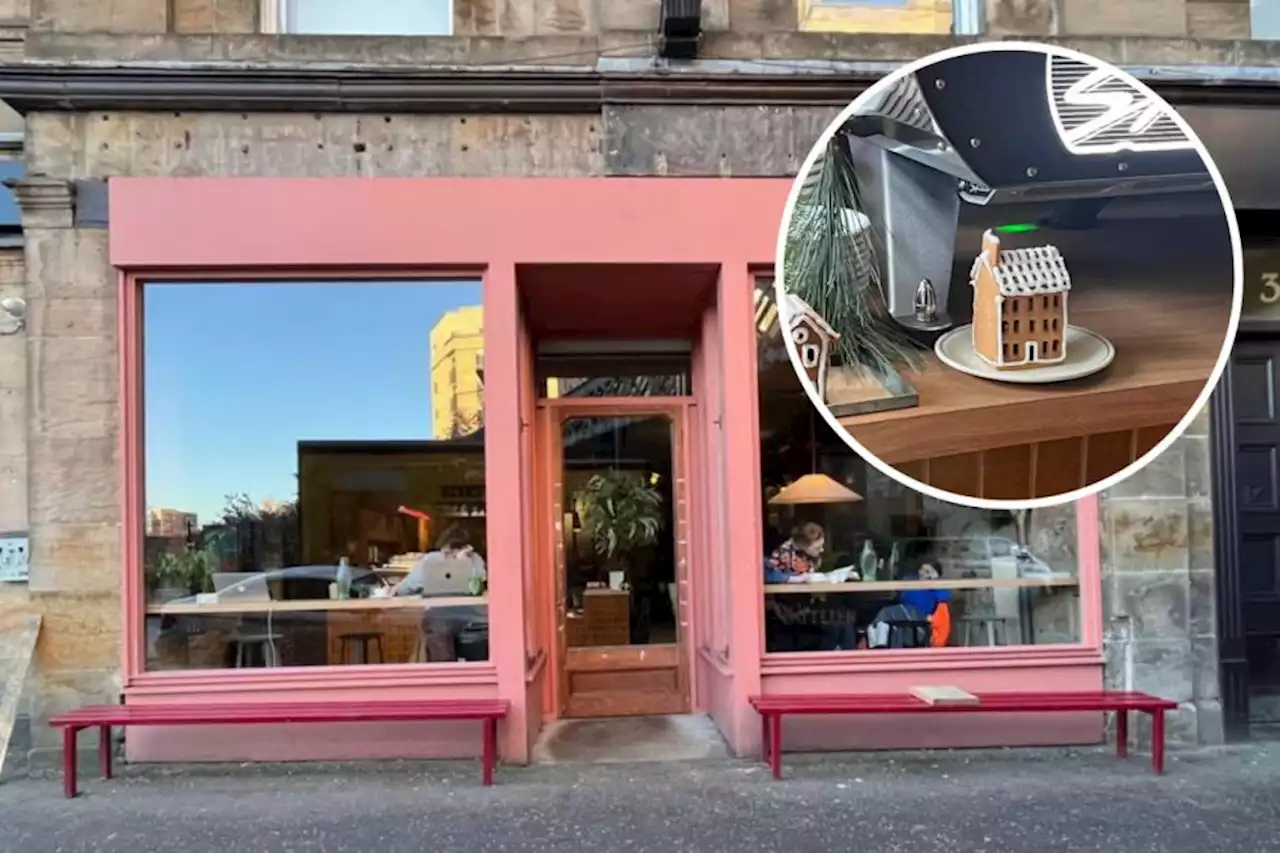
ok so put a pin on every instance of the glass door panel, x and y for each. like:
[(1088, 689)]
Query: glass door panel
[(618, 569)]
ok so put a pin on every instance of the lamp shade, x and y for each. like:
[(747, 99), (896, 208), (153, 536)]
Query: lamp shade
[(815, 489)]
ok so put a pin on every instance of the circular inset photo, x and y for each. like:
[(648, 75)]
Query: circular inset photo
[(1009, 275)]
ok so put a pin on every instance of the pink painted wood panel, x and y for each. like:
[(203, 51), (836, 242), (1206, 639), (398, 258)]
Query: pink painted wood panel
[(454, 222)]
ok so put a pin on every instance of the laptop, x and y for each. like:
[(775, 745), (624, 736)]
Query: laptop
[(446, 575), (240, 586)]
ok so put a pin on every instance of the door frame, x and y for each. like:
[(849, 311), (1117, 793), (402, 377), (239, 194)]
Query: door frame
[(548, 581)]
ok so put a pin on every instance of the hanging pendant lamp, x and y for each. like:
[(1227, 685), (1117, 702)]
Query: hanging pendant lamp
[(815, 488)]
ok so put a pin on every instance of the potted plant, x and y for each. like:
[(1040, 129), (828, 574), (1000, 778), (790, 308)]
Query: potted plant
[(178, 575), (620, 514)]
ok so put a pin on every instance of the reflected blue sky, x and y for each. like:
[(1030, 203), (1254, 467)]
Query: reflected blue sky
[(237, 374)]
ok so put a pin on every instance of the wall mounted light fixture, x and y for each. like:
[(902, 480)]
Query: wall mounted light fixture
[(13, 315)]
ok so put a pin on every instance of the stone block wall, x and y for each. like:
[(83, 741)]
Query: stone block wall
[(59, 478), (1158, 593), (1214, 19), (1157, 538)]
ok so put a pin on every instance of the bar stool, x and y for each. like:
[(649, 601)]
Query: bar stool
[(994, 627), (264, 644), (358, 644)]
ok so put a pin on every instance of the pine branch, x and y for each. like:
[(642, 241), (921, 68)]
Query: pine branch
[(831, 264)]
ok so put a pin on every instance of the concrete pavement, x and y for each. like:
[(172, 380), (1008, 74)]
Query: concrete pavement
[(1038, 801)]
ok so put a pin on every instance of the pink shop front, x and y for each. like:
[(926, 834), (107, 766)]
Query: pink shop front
[(480, 367)]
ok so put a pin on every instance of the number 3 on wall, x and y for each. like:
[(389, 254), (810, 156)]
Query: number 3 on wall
[(1270, 288)]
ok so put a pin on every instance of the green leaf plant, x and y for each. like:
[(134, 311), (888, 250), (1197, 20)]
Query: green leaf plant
[(831, 264), (620, 514), (188, 571)]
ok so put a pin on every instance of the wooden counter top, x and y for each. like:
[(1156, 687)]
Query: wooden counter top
[(1166, 348), (902, 586), (406, 602)]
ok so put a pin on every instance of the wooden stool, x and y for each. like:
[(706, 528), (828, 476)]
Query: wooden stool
[(994, 627), (360, 643), (265, 644)]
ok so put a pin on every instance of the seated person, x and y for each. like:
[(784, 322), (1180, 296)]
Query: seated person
[(440, 626), (794, 561), (454, 544), (902, 625), (924, 602), (798, 557)]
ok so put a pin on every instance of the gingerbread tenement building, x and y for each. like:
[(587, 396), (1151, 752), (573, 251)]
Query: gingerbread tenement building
[(814, 339), (1019, 305)]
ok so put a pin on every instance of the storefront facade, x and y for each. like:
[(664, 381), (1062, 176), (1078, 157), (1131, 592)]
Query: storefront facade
[(698, 280), (594, 224)]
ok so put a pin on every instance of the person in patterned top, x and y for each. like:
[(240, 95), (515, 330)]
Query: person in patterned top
[(797, 558), (795, 561)]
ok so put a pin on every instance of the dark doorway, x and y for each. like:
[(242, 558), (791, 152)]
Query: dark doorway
[(1247, 430)]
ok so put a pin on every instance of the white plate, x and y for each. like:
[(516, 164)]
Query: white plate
[(1087, 353)]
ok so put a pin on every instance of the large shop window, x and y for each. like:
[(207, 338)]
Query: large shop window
[(314, 474), (855, 562)]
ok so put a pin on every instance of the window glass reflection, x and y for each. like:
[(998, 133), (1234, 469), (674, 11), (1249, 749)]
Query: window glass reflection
[(314, 474), (854, 561)]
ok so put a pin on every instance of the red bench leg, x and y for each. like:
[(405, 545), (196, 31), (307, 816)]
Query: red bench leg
[(104, 751), (490, 749), (69, 761), (1157, 740), (764, 737), (775, 746), (1122, 734)]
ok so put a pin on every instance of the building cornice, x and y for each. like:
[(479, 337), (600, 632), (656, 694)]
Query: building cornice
[(44, 202), (51, 86)]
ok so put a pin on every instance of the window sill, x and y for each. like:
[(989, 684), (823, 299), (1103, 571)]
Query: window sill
[(299, 679), (804, 663)]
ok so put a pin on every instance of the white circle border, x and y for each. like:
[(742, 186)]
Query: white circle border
[(1090, 489)]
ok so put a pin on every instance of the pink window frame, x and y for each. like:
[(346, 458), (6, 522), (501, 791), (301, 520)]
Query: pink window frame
[(1089, 576), (132, 455)]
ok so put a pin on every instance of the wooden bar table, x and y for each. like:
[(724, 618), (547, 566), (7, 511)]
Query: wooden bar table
[(1024, 586), (403, 635), (902, 586), (254, 607)]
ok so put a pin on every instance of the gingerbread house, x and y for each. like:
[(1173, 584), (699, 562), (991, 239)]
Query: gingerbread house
[(814, 340), (1019, 305)]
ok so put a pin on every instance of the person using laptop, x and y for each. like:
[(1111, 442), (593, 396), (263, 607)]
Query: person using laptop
[(447, 570)]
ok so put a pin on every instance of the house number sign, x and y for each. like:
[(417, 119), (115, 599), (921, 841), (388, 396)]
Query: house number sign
[(1261, 283)]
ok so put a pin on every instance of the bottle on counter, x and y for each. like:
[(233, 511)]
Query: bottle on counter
[(344, 578), (868, 562)]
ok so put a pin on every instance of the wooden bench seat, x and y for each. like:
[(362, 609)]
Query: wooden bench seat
[(106, 717), (773, 707)]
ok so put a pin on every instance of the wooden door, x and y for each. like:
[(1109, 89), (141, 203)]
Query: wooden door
[(619, 648)]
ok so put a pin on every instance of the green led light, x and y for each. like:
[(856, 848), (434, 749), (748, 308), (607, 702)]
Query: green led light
[(1018, 228)]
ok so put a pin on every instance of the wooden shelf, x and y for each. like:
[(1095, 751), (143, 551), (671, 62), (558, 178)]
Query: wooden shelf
[(1165, 350)]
